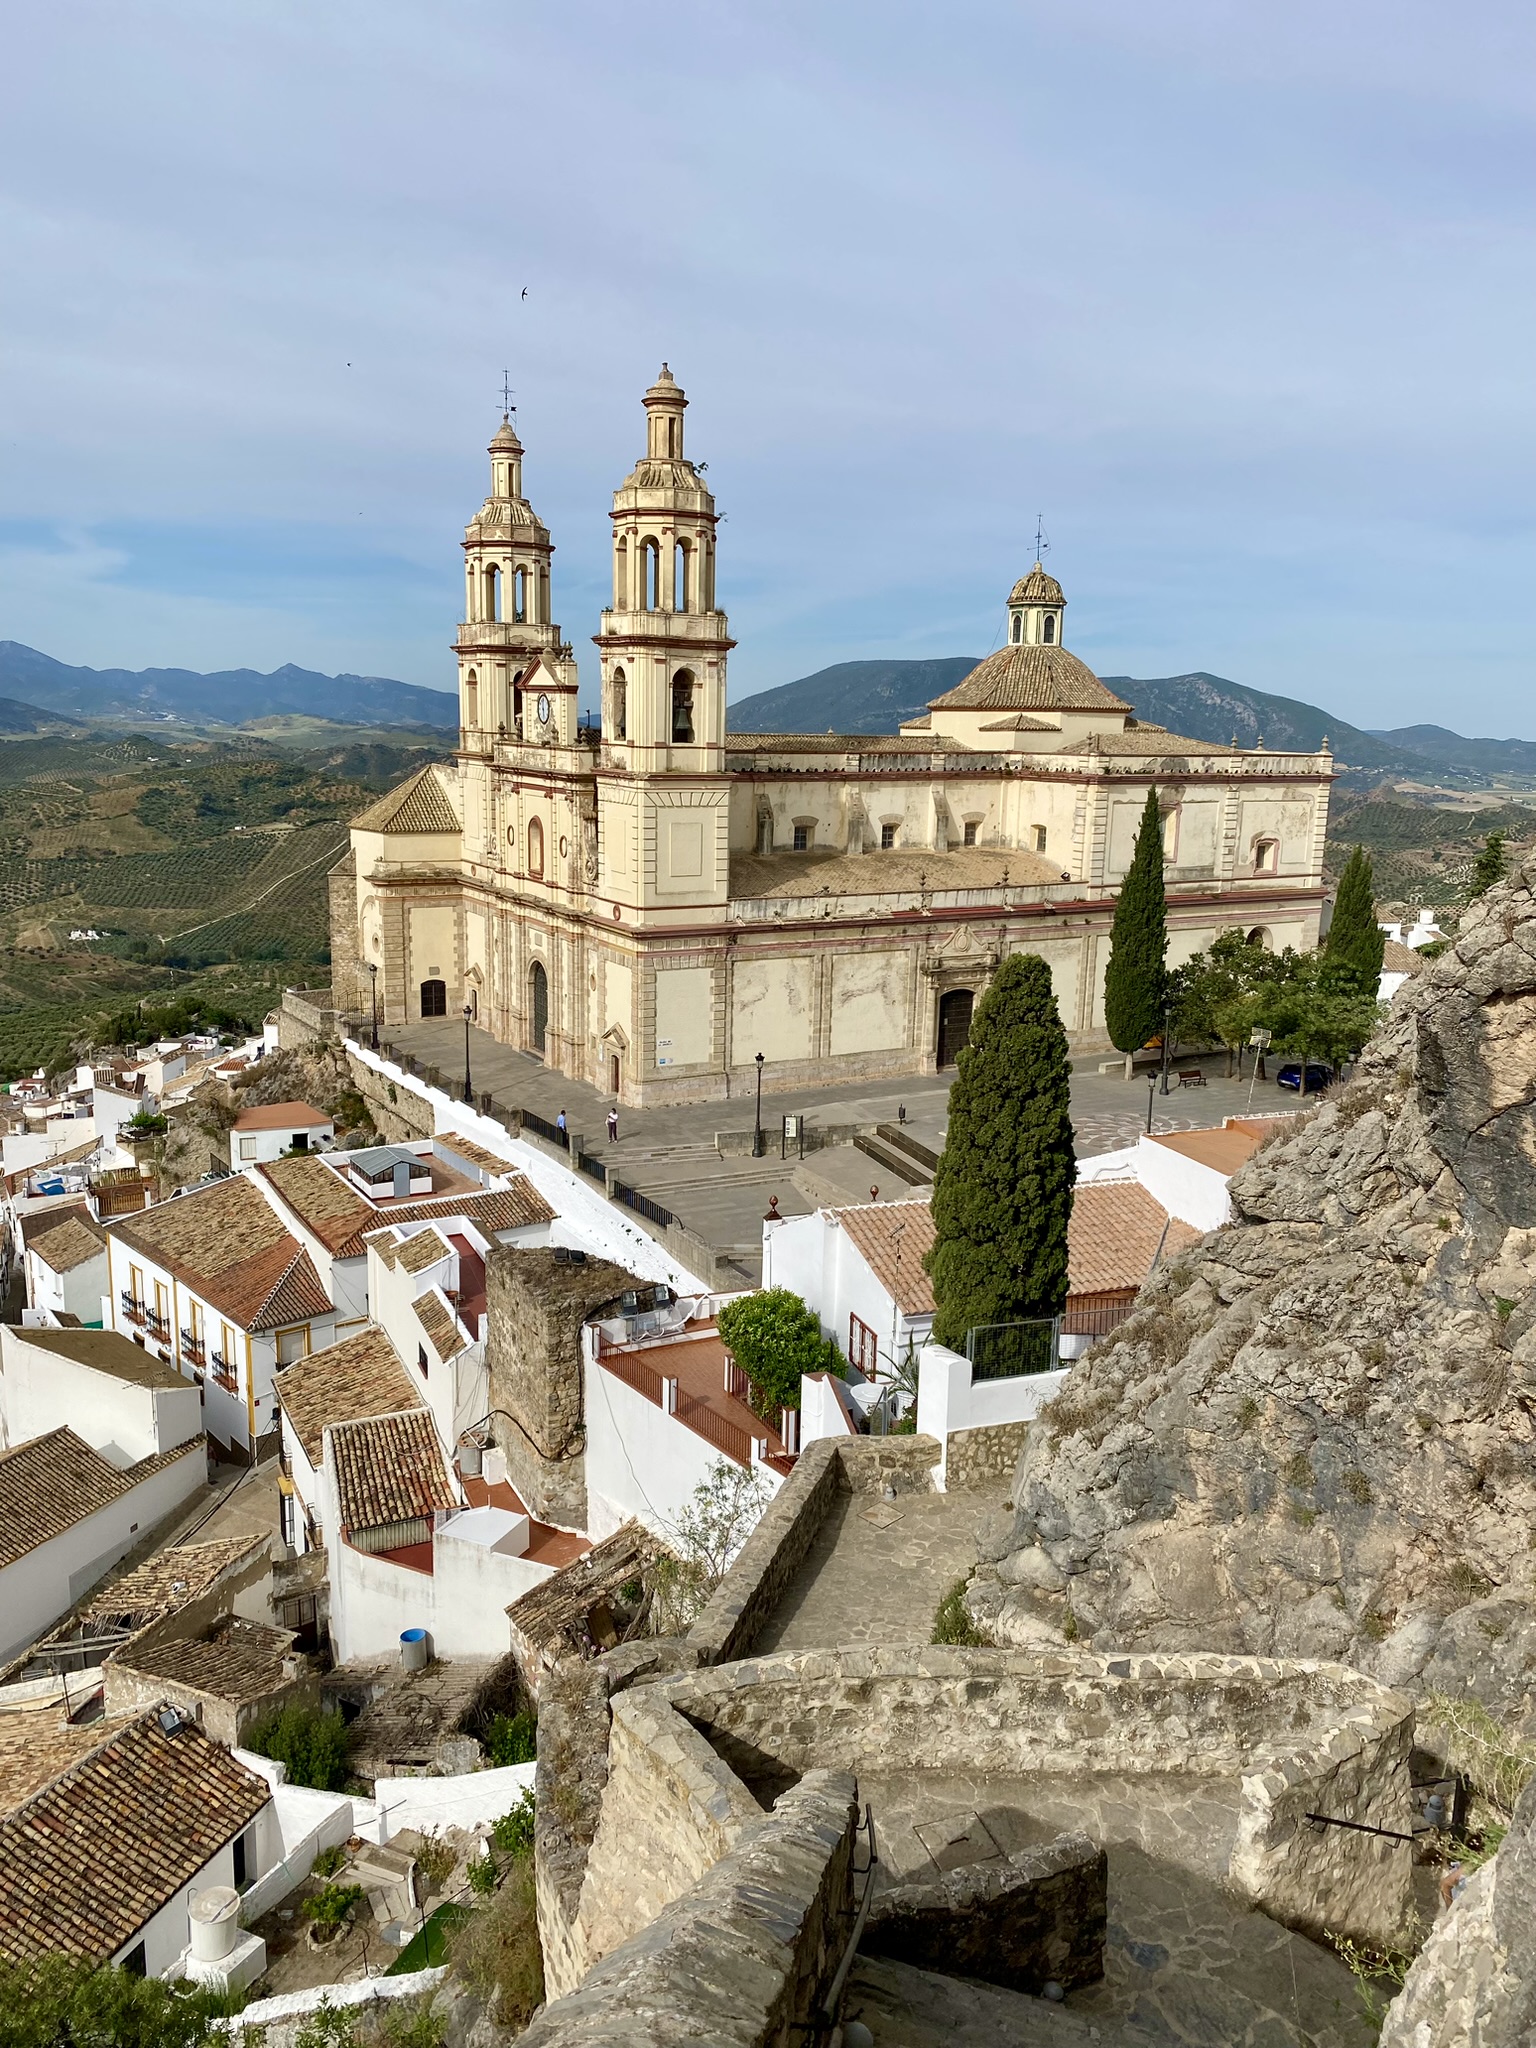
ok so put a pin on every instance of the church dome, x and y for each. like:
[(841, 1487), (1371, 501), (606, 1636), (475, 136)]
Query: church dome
[(1036, 588), (505, 436), (1030, 678)]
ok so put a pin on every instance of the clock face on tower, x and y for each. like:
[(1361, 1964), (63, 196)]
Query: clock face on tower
[(543, 710)]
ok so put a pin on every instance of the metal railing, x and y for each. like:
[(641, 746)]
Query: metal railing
[(1011, 1351), (157, 1325), (544, 1129), (193, 1347), (695, 1412), (593, 1168), (642, 1204), (625, 1366), (224, 1372), (133, 1308), (1095, 1319)]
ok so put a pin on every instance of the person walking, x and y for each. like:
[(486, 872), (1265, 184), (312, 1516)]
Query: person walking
[(613, 1125)]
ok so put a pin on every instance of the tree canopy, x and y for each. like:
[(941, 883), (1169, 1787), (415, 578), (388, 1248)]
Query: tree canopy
[(1002, 1195), (1490, 866), (1355, 939), (54, 1998), (1136, 979), (775, 1338)]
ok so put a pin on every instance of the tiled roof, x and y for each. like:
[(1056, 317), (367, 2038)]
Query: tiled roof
[(841, 743), (1020, 721), (1145, 740), (169, 1580), (280, 1116), (55, 1481), (440, 1325), (235, 1660), (388, 1470), (324, 1202), (894, 1237), (490, 1209), (474, 1153), (1224, 1150), (229, 1246), (1116, 1232), (1038, 587), (1030, 678), (105, 1351), (94, 1854), (890, 871), (69, 1244), (348, 1382), (36, 1223), (1397, 958), (423, 1250), (35, 1748), (420, 805)]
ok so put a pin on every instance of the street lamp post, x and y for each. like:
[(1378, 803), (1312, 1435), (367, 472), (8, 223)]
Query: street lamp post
[(469, 1093), (1167, 1027), (373, 986), (757, 1122)]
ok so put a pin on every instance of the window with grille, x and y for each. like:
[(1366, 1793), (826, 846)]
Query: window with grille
[(863, 1347)]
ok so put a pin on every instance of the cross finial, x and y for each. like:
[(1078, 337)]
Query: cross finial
[(1042, 541), (507, 407)]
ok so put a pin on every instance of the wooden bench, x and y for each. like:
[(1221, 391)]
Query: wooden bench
[(1192, 1077)]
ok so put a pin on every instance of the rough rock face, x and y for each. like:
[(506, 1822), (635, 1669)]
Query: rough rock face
[(1315, 1435)]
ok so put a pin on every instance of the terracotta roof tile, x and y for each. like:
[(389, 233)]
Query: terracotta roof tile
[(93, 1855), (105, 1351), (440, 1325), (1397, 958), (281, 1116), (235, 1660), (69, 1244), (419, 805), (894, 1237), (55, 1481), (1115, 1234), (36, 1223), (490, 1209), (1030, 678), (1144, 739), (323, 1202), (423, 1250), (1223, 1150), (892, 871), (474, 1153), (169, 1580), (347, 1382), (389, 1469), (229, 1246)]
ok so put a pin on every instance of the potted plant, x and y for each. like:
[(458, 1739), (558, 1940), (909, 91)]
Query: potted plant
[(328, 1911)]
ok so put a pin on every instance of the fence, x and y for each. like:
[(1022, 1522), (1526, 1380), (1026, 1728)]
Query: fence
[(545, 1129), (1011, 1351), (694, 1411), (593, 1168), (634, 1373), (1095, 1318), (642, 1204)]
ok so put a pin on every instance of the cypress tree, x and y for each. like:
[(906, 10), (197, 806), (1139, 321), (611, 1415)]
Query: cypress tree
[(1490, 866), (1136, 979), (1002, 1194), (1355, 939)]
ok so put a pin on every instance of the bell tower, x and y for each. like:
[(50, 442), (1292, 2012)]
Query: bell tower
[(507, 623), (663, 645)]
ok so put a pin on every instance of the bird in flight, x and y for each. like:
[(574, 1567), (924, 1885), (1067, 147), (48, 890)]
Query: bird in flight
[(525, 291)]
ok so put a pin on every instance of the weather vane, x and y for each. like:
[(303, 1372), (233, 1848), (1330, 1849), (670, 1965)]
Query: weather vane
[(507, 407), (1042, 541)]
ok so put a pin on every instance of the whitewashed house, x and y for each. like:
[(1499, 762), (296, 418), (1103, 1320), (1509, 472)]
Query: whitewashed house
[(269, 1130), (112, 1394), (66, 1270)]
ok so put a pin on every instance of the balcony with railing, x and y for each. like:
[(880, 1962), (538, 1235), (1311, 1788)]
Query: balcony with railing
[(193, 1349), (223, 1372), (133, 1309), (689, 1374), (157, 1325)]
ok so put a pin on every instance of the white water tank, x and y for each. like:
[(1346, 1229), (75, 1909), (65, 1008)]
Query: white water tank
[(214, 1915)]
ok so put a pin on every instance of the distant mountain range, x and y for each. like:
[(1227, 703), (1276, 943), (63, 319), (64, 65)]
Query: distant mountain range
[(229, 697), (875, 696)]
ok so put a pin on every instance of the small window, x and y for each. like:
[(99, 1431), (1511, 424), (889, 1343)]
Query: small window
[(863, 1347), (1039, 839), (1266, 856), (803, 837), (1018, 627), (536, 849), (421, 1360), (300, 1141), (887, 836), (620, 700), (1171, 834), (682, 708), (243, 1872), (970, 831), (292, 1345), (135, 1962), (247, 1148), (1049, 635)]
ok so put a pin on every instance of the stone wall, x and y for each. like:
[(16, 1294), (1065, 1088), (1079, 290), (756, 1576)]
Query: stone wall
[(536, 1305), (399, 1114), (778, 1546), (305, 1016), (983, 1458), (746, 1957), (1298, 1737), (1040, 1915)]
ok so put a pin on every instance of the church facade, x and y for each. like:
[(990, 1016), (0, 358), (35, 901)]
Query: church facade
[(650, 904)]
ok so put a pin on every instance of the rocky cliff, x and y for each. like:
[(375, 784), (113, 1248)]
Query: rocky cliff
[(1315, 1435)]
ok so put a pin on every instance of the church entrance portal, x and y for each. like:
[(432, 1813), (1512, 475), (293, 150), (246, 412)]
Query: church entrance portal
[(539, 989), (434, 999), (954, 1023)]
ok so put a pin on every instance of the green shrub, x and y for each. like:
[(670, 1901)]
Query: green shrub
[(496, 1950), (775, 1338), (313, 1746), (328, 2026), (1358, 1487), (513, 1833), (952, 1622), (512, 1739), (435, 1859), (329, 1906), (329, 1861), (53, 1999), (484, 1875)]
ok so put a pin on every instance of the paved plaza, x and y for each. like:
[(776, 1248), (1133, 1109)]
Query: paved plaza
[(670, 1154)]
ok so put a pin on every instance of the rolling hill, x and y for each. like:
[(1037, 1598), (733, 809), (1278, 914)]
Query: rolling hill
[(228, 697)]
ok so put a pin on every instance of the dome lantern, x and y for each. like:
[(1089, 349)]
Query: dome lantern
[(1035, 606)]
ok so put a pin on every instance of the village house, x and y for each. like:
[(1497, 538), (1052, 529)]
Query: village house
[(273, 1128), (66, 1270)]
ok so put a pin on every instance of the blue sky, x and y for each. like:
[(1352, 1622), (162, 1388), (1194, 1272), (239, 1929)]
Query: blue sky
[(1241, 299)]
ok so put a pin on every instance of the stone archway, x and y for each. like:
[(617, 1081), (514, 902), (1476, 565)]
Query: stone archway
[(538, 1008), (956, 1008)]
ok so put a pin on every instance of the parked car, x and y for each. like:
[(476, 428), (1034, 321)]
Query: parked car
[(1318, 1076)]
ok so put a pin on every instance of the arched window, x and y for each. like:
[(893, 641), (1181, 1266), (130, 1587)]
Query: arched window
[(520, 595), (650, 575), (472, 699), (1259, 937), (493, 592), (682, 708), (434, 999), (1018, 628), (619, 701), (682, 565), (536, 850), (1050, 629), (621, 575)]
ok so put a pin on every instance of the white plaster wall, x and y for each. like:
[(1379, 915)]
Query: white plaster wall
[(821, 1413), (869, 1002), (168, 1932), (462, 1601), (640, 1462), (269, 1145), (815, 1258), (947, 1402), (299, 1823), (1194, 1193), (41, 1390), (473, 1800), (771, 1009)]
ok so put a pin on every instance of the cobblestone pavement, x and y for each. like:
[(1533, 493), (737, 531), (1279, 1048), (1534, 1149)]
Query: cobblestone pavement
[(877, 1570)]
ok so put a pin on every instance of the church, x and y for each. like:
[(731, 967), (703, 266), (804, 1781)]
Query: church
[(653, 903)]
